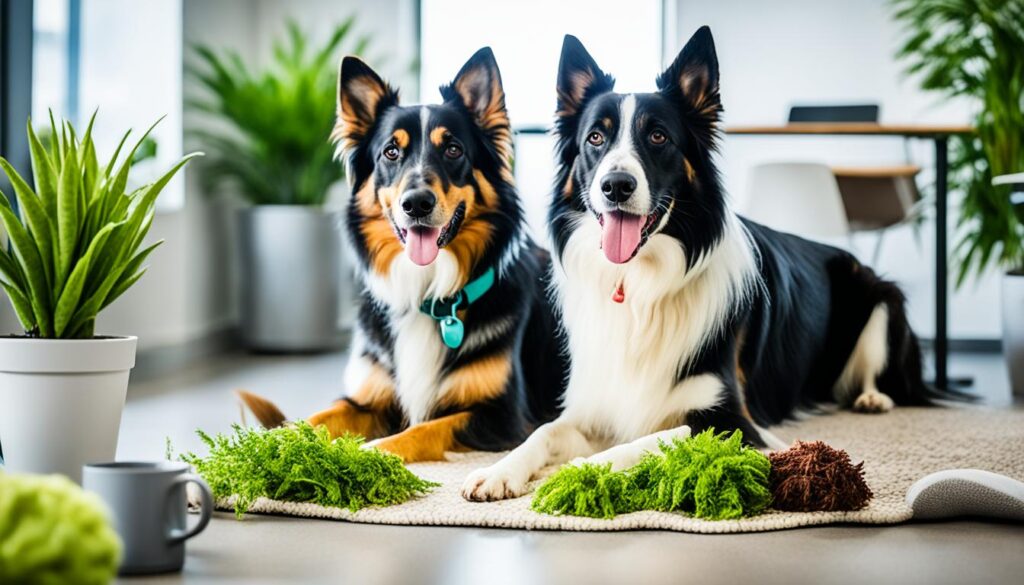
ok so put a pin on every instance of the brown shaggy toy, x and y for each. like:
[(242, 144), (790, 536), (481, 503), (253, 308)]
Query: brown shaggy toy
[(813, 477)]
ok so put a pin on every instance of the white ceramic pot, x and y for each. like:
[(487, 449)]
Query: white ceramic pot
[(61, 401), (1013, 329)]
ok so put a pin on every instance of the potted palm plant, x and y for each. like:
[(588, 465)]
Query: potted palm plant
[(73, 247), (277, 150), (973, 49)]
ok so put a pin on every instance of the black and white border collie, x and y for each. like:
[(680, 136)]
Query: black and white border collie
[(437, 228), (681, 315)]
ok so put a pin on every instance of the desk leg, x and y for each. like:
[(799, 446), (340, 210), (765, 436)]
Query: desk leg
[(941, 262)]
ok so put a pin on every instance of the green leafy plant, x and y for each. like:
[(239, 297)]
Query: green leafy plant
[(710, 476), (53, 532), (973, 49), (281, 118), (146, 150), (301, 463), (74, 248)]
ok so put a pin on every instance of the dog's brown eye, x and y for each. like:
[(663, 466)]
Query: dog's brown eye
[(595, 139), (658, 137), (391, 152), (453, 151)]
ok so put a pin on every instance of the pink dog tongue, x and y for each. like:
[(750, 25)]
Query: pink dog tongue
[(621, 235), (422, 245)]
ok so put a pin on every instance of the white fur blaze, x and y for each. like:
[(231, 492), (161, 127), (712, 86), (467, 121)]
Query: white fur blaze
[(622, 156), (858, 380)]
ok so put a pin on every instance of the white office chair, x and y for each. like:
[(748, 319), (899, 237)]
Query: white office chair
[(799, 198)]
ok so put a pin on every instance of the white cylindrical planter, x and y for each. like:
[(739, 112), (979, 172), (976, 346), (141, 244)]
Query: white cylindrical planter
[(61, 402), (291, 277), (1013, 329)]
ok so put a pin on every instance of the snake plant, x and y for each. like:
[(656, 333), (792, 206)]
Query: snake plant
[(974, 49), (74, 240)]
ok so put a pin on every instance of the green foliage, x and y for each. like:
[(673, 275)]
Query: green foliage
[(588, 490), (53, 532), (74, 248), (279, 147), (300, 463), (972, 49), (709, 476)]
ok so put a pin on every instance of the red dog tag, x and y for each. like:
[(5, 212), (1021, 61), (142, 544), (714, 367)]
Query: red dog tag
[(619, 295)]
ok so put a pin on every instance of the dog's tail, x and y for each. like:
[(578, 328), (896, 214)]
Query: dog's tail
[(265, 411)]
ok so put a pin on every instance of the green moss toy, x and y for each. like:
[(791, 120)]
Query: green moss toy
[(587, 489), (51, 531), (711, 476), (300, 463)]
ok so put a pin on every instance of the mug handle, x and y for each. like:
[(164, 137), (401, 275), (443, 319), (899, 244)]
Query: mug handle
[(205, 512)]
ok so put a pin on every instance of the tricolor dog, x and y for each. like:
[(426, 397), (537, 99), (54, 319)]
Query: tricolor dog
[(679, 314), (457, 345)]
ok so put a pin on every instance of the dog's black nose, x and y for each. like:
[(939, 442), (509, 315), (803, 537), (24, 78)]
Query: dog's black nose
[(419, 203), (618, 186)]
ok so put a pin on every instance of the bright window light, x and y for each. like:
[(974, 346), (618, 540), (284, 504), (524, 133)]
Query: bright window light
[(526, 36), (129, 68)]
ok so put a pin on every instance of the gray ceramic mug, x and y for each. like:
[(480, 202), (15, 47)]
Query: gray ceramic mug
[(148, 503)]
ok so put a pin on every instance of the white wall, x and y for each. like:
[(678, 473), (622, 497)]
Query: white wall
[(776, 54)]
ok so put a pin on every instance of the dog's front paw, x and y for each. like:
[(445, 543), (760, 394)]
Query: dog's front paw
[(873, 403), (493, 483)]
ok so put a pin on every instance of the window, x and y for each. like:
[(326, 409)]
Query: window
[(89, 56), (526, 36)]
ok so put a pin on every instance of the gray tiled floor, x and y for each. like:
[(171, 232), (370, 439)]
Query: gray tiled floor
[(277, 549)]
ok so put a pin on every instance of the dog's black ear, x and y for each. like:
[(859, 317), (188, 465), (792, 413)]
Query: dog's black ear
[(477, 86), (579, 78), (693, 77), (362, 97)]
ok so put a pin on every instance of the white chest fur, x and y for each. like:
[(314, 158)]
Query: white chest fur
[(626, 356), (418, 350)]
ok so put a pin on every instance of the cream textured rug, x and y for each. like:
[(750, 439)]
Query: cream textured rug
[(898, 449)]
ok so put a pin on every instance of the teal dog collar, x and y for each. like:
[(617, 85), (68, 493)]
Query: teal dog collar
[(444, 310)]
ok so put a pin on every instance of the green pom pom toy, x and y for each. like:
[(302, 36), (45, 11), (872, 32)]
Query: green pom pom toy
[(587, 489), (53, 532), (300, 463), (714, 477), (711, 476)]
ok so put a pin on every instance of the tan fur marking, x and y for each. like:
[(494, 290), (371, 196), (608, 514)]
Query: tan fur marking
[(265, 411), (691, 174), (490, 116), (607, 123), (427, 441), (439, 135), (569, 98), (401, 138), (490, 196), (469, 246), (474, 383), (375, 396), (382, 245), (567, 187), (741, 375), (361, 93)]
